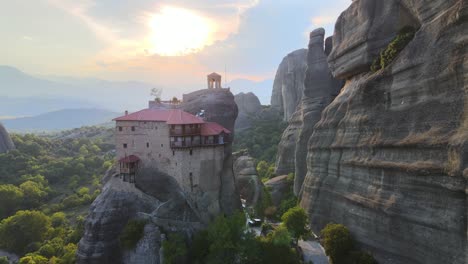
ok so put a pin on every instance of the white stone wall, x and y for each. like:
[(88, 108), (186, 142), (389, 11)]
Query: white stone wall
[(151, 143)]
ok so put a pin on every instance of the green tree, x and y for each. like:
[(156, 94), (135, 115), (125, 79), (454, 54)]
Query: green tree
[(174, 248), (33, 259), (22, 229), (132, 233), (69, 254), (4, 260), (10, 199), (226, 235), (296, 221), (58, 219), (337, 241), (281, 236), (34, 193)]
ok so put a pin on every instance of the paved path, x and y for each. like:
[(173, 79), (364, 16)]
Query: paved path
[(313, 251)]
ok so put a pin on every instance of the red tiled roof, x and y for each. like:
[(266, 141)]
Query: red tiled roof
[(171, 116), (146, 115), (179, 117), (129, 159), (213, 129)]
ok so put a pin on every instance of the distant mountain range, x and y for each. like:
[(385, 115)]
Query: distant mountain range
[(261, 89), (20, 93), (33, 103), (61, 120)]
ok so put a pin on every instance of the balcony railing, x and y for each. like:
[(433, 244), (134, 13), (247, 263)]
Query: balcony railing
[(185, 132)]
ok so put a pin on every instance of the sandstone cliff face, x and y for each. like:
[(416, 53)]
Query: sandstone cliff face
[(5, 141), (320, 88), (289, 83), (247, 180), (220, 107), (249, 106), (389, 156)]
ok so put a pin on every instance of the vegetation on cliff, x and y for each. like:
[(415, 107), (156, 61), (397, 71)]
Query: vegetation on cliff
[(46, 186), (262, 139), (394, 48)]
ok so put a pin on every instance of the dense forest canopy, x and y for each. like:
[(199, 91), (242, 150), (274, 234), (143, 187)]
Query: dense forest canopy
[(46, 187)]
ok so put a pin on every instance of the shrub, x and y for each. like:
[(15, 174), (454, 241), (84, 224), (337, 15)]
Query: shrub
[(337, 241), (174, 248), (132, 233), (386, 57), (33, 259), (22, 229), (4, 260), (10, 199), (296, 221)]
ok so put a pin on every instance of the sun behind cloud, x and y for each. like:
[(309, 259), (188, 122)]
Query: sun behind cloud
[(177, 32)]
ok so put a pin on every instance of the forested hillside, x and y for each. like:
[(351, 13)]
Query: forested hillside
[(46, 187)]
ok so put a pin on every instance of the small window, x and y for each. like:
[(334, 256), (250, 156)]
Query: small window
[(133, 128), (191, 152), (120, 128), (159, 155), (125, 145), (173, 126), (147, 144), (173, 153), (162, 145)]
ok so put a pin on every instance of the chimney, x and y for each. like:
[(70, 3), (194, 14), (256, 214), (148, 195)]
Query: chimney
[(126, 112)]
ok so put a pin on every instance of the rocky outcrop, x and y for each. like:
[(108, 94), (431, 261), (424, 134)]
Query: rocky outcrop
[(249, 185), (249, 106), (389, 156), (158, 198), (289, 83), (286, 155), (109, 213), (220, 107), (5, 141), (279, 187), (320, 88)]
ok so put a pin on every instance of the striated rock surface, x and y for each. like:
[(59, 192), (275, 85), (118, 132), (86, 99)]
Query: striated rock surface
[(220, 107), (279, 188), (363, 30), (249, 106), (248, 182), (320, 90), (5, 141), (289, 83), (389, 156), (286, 155), (109, 213)]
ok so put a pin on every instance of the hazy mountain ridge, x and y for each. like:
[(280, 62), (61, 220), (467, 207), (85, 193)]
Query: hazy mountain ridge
[(60, 120)]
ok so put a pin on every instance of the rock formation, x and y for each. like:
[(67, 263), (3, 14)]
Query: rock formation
[(289, 83), (5, 141), (249, 185), (279, 188), (389, 157), (286, 155), (220, 107), (158, 199), (249, 107), (320, 88)]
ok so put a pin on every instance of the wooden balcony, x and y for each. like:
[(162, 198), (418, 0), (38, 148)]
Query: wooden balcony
[(187, 131)]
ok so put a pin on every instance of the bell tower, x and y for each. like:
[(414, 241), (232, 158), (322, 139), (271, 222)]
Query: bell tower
[(214, 81)]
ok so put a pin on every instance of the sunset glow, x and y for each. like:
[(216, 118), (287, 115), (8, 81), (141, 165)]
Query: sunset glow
[(177, 32)]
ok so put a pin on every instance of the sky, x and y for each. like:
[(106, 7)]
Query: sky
[(172, 44)]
